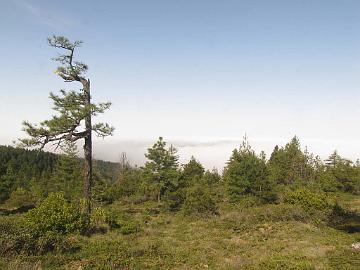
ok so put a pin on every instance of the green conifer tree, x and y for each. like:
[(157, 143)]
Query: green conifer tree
[(75, 112), (7, 182), (68, 173), (161, 169), (290, 164), (246, 173), (192, 172)]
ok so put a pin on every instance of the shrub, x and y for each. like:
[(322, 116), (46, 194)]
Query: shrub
[(248, 201), (56, 214), (14, 237), (307, 199), (102, 219), (173, 200), (129, 228), (199, 202), (99, 218), (53, 241), (328, 182), (17, 238), (124, 222), (126, 225), (43, 228), (269, 196)]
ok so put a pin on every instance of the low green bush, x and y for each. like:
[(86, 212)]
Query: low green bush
[(124, 222), (328, 183), (43, 229), (310, 201), (127, 224), (56, 214), (56, 242), (269, 196), (16, 238), (199, 202), (101, 220), (174, 200), (98, 218), (129, 227), (248, 201)]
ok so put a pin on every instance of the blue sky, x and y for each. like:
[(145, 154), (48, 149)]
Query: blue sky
[(200, 73)]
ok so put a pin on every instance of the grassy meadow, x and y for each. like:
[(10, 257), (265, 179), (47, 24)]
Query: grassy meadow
[(240, 236)]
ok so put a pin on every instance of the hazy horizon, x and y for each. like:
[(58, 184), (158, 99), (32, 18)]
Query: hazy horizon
[(211, 153)]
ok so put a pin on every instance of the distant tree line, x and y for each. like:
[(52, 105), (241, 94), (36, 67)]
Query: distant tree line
[(186, 186), (178, 186)]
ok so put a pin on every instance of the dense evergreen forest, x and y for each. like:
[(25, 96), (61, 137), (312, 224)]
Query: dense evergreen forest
[(42, 172), (290, 210)]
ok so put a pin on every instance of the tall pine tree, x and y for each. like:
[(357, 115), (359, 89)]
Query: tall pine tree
[(75, 112)]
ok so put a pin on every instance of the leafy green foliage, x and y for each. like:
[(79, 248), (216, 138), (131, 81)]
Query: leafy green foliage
[(190, 175), (327, 181), (199, 202), (64, 127), (308, 199), (174, 199), (7, 181), (14, 236), (18, 238), (98, 217), (56, 214), (129, 228)]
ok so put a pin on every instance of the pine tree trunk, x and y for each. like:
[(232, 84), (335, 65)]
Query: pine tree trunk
[(87, 149)]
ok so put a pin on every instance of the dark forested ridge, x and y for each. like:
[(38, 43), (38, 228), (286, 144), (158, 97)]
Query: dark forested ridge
[(22, 168), (27, 163)]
